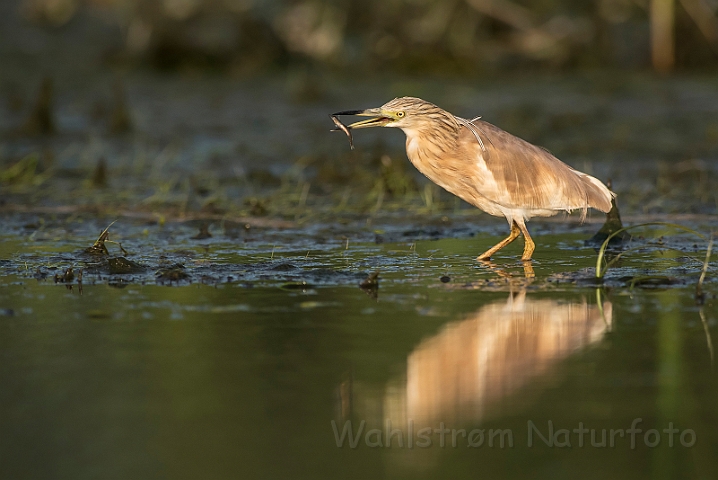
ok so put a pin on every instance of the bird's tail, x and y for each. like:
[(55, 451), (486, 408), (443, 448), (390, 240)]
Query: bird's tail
[(597, 195)]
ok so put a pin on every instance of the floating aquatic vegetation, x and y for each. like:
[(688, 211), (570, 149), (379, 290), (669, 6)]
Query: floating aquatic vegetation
[(121, 266), (601, 269), (99, 248)]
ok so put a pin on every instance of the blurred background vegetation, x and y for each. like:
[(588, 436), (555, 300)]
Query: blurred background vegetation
[(220, 106), (463, 36)]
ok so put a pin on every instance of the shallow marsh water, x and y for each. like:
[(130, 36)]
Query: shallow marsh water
[(240, 368), (229, 356)]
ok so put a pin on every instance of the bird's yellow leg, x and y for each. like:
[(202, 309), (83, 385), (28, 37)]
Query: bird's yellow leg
[(515, 232), (529, 245)]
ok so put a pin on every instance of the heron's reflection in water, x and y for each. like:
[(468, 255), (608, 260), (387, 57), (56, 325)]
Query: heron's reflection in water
[(473, 366)]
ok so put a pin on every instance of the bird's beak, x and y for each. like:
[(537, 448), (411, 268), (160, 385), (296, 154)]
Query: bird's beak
[(381, 118)]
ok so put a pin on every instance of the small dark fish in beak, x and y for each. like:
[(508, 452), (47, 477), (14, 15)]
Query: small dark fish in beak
[(342, 127)]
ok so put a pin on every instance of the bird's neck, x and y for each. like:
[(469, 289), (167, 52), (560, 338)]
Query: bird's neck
[(434, 142)]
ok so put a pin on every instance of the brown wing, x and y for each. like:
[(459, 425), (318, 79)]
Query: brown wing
[(519, 175)]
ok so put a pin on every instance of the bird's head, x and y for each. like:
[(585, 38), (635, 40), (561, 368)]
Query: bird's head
[(407, 113)]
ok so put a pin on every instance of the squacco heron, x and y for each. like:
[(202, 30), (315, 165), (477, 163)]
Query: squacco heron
[(487, 167)]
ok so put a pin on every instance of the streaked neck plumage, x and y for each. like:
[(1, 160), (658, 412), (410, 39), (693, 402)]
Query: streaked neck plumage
[(432, 137)]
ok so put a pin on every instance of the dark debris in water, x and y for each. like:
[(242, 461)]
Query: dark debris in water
[(372, 281), (172, 274), (66, 277), (282, 267), (370, 285), (122, 266)]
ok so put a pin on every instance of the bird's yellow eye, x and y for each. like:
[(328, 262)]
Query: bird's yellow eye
[(400, 114)]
